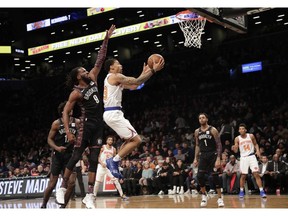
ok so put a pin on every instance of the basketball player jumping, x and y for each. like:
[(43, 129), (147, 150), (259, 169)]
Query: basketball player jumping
[(86, 94), (208, 149), (114, 84), (62, 151), (247, 143), (107, 151)]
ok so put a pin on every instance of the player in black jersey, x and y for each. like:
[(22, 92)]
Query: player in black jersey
[(85, 93), (208, 151), (62, 152)]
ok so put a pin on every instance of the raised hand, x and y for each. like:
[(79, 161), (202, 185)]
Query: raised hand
[(109, 32)]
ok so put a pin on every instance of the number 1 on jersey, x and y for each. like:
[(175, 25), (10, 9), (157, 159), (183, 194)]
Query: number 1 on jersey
[(205, 142)]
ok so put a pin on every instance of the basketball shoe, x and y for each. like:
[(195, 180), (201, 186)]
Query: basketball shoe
[(89, 201), (113, 167), (220, 202), (204, 200), (241, 194), (60, 194), (263, 194), (124, 197)]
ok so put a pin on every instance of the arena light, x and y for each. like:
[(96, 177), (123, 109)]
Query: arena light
[(84, 25), (173, 32), (146, 41), (159, 35), (136, 38), (27, 61), (257, 23), (112, 18), (16, 59), (139, 12), (17, 64), (141, 15), (256, 17), (156, 42), (115, 51), (278, 20), (52, 33), (208, 39), (159, 45), (67, 53), (281, 15)]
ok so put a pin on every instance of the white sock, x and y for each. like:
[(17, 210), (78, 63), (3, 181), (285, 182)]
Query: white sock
[(118, 186), (241, 189), (182, 188), (174, 188), (96, 188), (261, 188), (117, 158)]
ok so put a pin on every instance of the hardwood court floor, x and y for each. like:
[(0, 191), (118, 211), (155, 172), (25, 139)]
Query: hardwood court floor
[(157, 201)]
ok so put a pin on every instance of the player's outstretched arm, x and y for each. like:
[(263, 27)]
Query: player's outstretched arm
[(101, 55)]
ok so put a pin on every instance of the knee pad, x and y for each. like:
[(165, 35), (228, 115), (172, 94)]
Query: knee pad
[(216, 181), (75, 158), (201, 178), (93, 159)]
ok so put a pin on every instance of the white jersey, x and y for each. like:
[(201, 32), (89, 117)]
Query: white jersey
[(106, 153), (112, 94), (246, 145)]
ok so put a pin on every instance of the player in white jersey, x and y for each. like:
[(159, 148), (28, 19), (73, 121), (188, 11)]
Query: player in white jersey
[(107, 151), (247, 144), (114, 84)]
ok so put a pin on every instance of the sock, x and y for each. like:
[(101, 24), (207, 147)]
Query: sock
[(118, 186), (261, 188), (241, 189), (117, 158), (174, 188), (90, 188), (96, 188)]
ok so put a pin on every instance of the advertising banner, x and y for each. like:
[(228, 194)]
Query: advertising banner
[(100, 36)]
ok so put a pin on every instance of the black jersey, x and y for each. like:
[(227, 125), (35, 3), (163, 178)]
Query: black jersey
[(61, 139), (206, 140), (91, 104)]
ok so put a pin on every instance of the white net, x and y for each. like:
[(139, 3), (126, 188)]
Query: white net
[(192, 30)]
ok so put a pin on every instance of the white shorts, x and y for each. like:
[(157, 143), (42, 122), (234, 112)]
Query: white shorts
[(101, 172), (115, 119), (249, 161)]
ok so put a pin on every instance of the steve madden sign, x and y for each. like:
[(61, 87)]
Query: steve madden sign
[(24, 187)]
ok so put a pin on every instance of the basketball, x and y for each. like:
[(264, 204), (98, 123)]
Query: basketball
[(155, 57)]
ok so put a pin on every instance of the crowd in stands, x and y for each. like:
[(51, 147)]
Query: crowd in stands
[(165, 113)]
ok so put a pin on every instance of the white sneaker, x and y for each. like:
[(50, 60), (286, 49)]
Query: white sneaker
[(177, 190), (181, 191), (171, 192), (194, 192), (60, 194), (204, 201), (187, 192), (89, 201), (161, 192), (211, 191), (220, 202)]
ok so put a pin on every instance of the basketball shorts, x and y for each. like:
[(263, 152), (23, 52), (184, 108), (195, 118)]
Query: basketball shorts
[(59, 162), (90, 134), (101, 172), (115, 120), (249, 162), (207, 161)]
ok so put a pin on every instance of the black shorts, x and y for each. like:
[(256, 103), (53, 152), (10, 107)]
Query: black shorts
[(207, 161), (90, 134), (59, 162)]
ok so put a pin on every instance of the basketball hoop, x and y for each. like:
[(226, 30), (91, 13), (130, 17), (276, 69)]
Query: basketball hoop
[(192, 26)]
